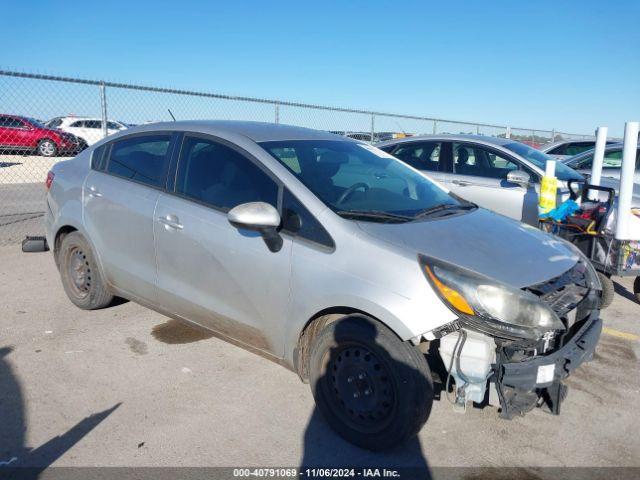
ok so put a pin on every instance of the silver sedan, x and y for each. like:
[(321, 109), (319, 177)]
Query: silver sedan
[(500, 174)]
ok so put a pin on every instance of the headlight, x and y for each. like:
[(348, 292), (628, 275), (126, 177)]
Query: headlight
[(488, 305)]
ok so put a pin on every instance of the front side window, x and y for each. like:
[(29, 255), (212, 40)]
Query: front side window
[(113, 126), (421, 155), (221, 177), (353, 178), (142, 159), (578, 147), (77, 124), (97, 124), (480, 162), (11, 122), (539, 159)]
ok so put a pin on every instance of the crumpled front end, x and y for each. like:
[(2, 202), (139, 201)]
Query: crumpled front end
[(526, 374), (521, 374)]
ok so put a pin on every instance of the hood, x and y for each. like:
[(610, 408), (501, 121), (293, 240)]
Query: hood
[(484, 242)]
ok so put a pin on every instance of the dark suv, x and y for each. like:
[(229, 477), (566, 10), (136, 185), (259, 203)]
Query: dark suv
[(29, 135)]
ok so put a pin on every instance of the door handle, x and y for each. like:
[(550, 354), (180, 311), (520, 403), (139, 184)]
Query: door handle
[(93, 192), (171, 221), (461, 183)]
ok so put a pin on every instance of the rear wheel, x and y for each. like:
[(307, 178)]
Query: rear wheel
[(372, 388), (80, 276), (636, 289), (47, 148), (608, 290)]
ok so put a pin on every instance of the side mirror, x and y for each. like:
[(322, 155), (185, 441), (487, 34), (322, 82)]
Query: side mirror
[(260, 217), (519, 177)]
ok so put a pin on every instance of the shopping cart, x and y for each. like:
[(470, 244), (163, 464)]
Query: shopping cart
[(591, 229)]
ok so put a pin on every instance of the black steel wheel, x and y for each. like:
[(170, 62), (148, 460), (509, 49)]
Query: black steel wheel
[(372, 388), (81, 278)]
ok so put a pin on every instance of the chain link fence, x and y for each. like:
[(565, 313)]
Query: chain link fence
[(45, 119)]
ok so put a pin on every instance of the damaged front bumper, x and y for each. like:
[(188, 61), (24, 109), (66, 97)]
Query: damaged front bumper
[(537, 381)]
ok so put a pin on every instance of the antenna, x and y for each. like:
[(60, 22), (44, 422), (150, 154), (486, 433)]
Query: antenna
[(174, 118)]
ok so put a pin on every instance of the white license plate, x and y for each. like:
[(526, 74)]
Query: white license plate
[(545, 373)]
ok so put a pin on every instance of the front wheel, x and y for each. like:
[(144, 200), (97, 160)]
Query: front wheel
[(372, 388), (80, 276), (47, 148)]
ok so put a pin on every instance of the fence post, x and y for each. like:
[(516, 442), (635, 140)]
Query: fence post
[(477, 129), (435, 126), (277, 108), (103, 104), (553, 135), (373, 126), (508, 133)]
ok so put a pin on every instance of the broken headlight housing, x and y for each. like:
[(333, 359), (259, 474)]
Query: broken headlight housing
[(490, 306)]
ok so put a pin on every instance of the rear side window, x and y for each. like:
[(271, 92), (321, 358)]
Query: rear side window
[(78, 124), (221, 177), (421, 156), (142, 159), (299, 221)]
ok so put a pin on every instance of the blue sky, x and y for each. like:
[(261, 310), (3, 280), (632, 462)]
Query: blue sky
[(569, 65)]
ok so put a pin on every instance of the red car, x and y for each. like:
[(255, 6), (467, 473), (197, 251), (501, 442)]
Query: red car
[(29, 135)]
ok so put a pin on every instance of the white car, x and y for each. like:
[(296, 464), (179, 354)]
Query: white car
[(89, 129)]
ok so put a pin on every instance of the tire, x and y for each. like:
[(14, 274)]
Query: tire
[(373, 389), (636, 289), (47, 148), (81, 278), (608, 290)]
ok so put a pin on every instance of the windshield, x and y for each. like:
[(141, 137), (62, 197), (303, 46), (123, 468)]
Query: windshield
[(350, 177), (35, 122), (539, 159)]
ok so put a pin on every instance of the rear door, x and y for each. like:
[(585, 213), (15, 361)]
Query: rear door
[(119, 196), (480, 176), (210, 272)]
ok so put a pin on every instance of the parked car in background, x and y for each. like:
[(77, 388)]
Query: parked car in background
[(500, 174), (24, 134), (568, 148), (89, 129), (367, 137), (611, 164), (332, 258)]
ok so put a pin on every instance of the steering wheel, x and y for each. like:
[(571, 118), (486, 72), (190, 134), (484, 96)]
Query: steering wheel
[(349, 191)]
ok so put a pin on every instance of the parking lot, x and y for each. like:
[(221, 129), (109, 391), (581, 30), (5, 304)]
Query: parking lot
[(125, 386)]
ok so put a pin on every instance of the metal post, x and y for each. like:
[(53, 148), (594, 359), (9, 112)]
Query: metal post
[(477, 129), (373, 126), (553, 135), (533, 138), (277, 105), (103, 104), (508, 133), (435, 126)]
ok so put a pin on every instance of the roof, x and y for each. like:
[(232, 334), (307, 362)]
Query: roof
[(256, 131), (450, 137)]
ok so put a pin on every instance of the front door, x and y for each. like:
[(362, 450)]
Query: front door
[(480, 176), (210, 272)]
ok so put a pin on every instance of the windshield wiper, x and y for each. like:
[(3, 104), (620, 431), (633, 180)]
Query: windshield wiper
[(374, 215), (445, 207)]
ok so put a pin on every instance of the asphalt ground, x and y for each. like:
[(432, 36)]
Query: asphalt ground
[(128, 387)]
